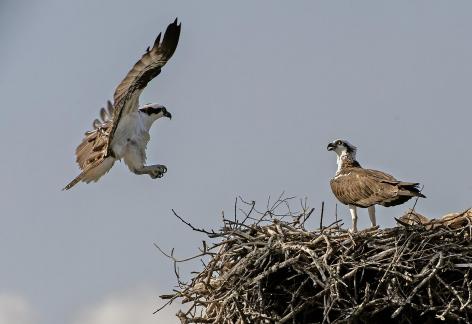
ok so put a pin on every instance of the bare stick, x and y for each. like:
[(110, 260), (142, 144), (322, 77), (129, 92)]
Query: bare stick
[(321, 216)]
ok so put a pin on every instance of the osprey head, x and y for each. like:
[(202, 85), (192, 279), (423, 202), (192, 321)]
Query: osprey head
[(342, 147), (155, 111)]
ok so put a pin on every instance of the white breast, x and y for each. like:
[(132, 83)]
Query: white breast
[(131, 130)]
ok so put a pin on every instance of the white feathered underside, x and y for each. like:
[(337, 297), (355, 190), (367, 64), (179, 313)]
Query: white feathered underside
[(131, 138)]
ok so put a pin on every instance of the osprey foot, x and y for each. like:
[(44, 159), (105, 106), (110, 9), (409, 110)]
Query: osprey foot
[(352, 230), (157, 171)]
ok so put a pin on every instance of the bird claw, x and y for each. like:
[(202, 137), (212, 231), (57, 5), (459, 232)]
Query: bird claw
[(158, 172)]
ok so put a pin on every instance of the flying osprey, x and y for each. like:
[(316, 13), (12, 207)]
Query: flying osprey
[(123, 131), (358, 187)]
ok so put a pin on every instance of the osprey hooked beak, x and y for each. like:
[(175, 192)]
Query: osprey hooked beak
[(331, 147), (166, 113)]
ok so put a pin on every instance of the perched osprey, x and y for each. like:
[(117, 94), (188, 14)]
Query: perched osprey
[(123, 132), (358, 187)]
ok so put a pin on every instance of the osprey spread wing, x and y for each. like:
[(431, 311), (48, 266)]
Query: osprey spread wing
[(123, 131)]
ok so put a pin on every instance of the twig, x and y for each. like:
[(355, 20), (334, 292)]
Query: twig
[(321, 216)]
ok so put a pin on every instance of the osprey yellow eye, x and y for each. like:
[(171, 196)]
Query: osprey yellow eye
[(339, 142)]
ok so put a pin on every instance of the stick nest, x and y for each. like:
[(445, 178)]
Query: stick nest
[(268, 268)]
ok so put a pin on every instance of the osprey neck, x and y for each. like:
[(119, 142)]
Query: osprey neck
[(346, 160)]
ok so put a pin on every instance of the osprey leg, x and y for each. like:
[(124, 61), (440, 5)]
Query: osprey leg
[(154, 171), (371, 210), (353, 210)]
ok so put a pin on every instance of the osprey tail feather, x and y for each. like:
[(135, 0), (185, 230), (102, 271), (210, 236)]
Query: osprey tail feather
[(409, 189), (93, 173), (406, 191)]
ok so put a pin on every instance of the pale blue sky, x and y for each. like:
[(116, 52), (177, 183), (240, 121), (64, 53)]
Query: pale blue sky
[(256, 90)]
